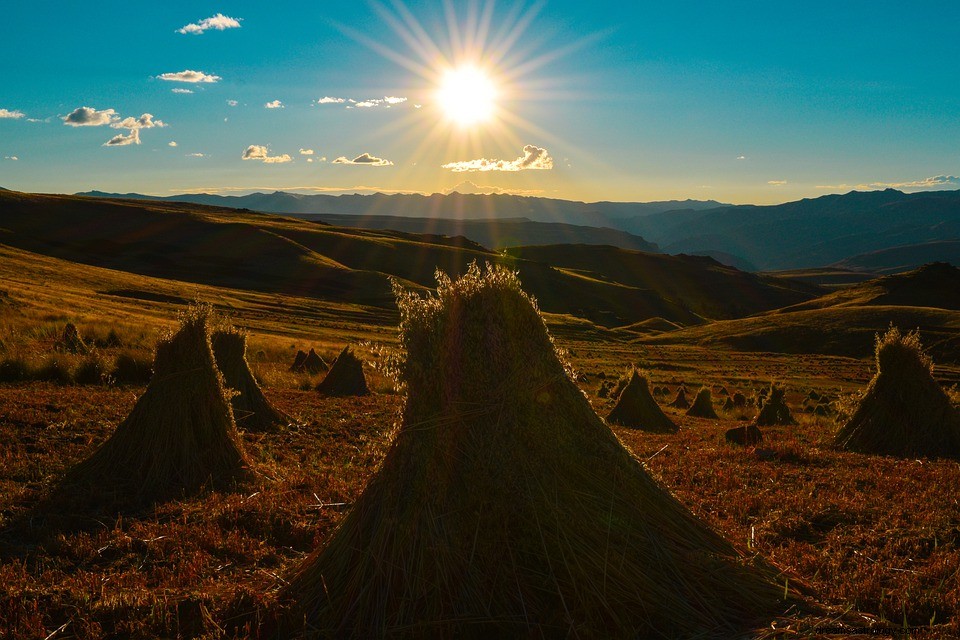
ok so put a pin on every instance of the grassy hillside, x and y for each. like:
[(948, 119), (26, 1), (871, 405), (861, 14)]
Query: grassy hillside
[(904, 258)]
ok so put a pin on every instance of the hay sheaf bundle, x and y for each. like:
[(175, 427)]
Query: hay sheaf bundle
[(506, 508), (904, 411), (313, 363), (180, 435), (345, 377), (702, 406), (251, 409), (774, 410), (298, 361), (70, 341), (680, 400), (636, 408)]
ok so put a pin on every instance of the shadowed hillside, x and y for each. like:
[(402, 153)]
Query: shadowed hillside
[(904, 258)]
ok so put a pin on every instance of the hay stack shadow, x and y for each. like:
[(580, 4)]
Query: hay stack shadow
[(505, 507), (345, 377), (904, 411), (251, 409), (636, 408)]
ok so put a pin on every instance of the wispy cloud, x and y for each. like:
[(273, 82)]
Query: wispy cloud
[(533, 158), (180, 90), (13, 158), (145, 121), (172, 143), (331, 100), (218, 22), (364, 160), (196, 155), (776, 183), (367, 103), (932, 182), (274, 104), (306, 152), (741, 157), (232, 103), (189, 75), (89, 117), (262, 153), (15, 114), (121, 140)]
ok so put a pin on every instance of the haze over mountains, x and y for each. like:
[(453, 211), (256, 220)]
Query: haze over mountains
[(858, 230)]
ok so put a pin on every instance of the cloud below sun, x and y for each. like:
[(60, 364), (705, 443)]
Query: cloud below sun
[(534, 158)]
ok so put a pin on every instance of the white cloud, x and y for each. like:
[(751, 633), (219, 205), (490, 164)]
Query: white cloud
[(309, 159), (394, 100), (741, 157), (776, 183), (15, 114), (274, 104), (306, 152), (219, 22), (196, 155), (330, 100), (89, 117), (262, 153), (121, 140), (188, 75), (172, 143), (232, 103), (145, 121), (14, 158), (534, 158), (181, 90), (364, 160), (932, 182), (367, 104)]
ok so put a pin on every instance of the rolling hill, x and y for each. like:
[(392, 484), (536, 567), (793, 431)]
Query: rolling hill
[(903, 258)]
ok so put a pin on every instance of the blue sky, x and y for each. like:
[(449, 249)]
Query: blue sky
[(740, 102)]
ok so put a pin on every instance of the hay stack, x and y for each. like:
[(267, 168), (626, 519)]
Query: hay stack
[(180, 435), (251, 409), (345, 377), (729, 404), (506, 508), (774, 410), (904, 412), (636, 408), (298, 361), (739, 400), (702, 406), (680, 401), (70, 341), (314, 364)]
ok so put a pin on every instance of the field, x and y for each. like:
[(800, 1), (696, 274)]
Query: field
[(876, 540)]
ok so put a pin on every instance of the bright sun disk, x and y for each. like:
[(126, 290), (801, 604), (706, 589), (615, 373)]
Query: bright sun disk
[(467, 95)]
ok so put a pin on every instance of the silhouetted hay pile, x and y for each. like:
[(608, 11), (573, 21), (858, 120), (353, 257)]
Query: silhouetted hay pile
[(180, 435), (298, 360), (702, 406), (251, 409), (904, 411), (680, 400), (739, 400), (70, 341), (314, 364), (636, 408), (728, 404), (345, 377), (506, 508), (774, 410)]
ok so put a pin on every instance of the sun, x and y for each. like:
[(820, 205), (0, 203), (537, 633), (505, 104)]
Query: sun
[(467, 95)]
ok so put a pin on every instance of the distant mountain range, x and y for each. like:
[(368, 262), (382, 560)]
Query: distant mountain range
[(880, 231)]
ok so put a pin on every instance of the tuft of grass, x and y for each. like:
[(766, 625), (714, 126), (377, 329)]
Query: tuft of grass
[(93, 369), (55, 369), (132, 368)]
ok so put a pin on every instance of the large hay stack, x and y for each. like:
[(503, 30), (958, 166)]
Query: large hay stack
[(506, 508), (180, 435), (636, 408), (774, 410), (904, 411), (702, 406), (345, 377), (251, 409)]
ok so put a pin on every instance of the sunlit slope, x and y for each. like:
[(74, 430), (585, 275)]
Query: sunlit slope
[(699, 284)]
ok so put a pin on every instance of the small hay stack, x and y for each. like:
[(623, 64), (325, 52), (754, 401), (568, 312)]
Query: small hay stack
[(298, 361), (70, 341), (904, 411), (180, 435), (636, 408), (729, 404), (345, 377), (775, 410), (680, 400), (314, 364), (251, 409), (505, 507), (702, 406), (739, 400)]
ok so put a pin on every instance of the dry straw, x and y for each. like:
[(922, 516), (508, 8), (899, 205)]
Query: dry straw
[(506, 508), (298, 361), (180, 435), (314, 364), (345, 377), (636, 407), (680, 400), (904, 411), (774, 410), (251, 409), (70, 341), (702, 406)]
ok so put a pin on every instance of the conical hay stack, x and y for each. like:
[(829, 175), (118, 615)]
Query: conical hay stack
[(345, 377), (251, 409), (739, 400), (702, 406), (774, 410), (728, 404), (680, 400), (506, 508), (180, 435), (313, 363), (904, 412), (298, 361), (70, 340), (636, 408)]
